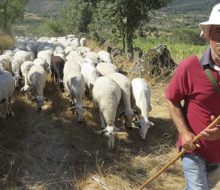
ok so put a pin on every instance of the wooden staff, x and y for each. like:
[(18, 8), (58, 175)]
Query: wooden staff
[(180, 154)]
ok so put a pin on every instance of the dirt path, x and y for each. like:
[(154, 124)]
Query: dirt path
[(51, 150)]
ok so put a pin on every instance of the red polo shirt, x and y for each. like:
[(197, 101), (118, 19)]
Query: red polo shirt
[(191, 84)]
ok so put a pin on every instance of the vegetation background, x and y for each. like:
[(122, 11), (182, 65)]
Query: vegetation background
[(51, 150)]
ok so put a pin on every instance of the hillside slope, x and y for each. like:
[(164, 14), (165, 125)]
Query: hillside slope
[(175, 7), (189, 6), (177, 14), (45, 7)]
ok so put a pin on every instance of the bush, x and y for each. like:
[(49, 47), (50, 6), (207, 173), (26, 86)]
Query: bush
[(51, 28), (6, 42)]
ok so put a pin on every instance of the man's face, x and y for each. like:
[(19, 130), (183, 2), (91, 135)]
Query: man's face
[(215, 39)]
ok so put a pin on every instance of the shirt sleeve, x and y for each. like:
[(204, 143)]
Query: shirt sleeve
[(178, 87)]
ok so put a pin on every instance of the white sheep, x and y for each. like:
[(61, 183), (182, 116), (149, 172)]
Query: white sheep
[(71, 66), (24, 55), (93, 56), (46, 56), (83, 42), (105, 56), (106, 68), (8, 52), (6, 92), (37, 77), (125, 85), (74, 84), (5, 62), (74, 57), (19, 58), (68, 49), (106, 96), (82, 51), (74, 42), (142, 93), (59, 51), (90, 74), (25, 68)]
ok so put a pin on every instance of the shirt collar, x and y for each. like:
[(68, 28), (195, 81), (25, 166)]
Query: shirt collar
[(206, 60)]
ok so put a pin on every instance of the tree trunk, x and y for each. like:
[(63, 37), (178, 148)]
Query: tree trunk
[(123, 38), (129, 43), (86, 19), (6, 26)]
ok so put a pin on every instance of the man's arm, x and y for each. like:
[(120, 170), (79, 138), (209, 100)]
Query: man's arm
[(175, 109)]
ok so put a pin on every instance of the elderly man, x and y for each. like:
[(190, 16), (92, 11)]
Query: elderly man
[(194, 101)]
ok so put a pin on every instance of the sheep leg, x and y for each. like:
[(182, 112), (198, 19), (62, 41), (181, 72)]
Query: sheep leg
[(52, 77), (4, 109), (102, 120), (90, 92), (10, 112)]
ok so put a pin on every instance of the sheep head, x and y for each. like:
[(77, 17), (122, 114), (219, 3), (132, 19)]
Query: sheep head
[(40, 101), (145, 124), (79, 110), (110, 133)]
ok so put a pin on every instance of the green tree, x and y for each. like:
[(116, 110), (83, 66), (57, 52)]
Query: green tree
[(79, 14), (128, 15), (85, 18), (10, 11), (120, 17)]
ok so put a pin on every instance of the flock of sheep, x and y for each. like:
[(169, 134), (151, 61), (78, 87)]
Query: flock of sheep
[(74, 68)]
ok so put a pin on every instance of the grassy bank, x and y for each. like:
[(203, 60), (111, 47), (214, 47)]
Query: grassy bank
[(178, 50)]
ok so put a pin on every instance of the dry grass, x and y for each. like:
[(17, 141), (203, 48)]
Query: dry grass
[(6, 42), (51, 151)]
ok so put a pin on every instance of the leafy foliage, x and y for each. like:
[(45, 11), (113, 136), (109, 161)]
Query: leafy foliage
[(127, 15), (10, 11), (121, 17), (79, 14)]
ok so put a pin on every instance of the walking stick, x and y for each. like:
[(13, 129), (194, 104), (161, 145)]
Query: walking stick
[(196, 138)]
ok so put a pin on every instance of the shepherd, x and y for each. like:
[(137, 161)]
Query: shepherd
[(193, 96)]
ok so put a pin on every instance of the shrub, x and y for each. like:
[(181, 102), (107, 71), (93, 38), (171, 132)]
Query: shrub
[(51, 28), (6, 42)]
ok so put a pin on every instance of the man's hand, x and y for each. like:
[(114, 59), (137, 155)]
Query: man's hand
[(213, 133), (187, 138)]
